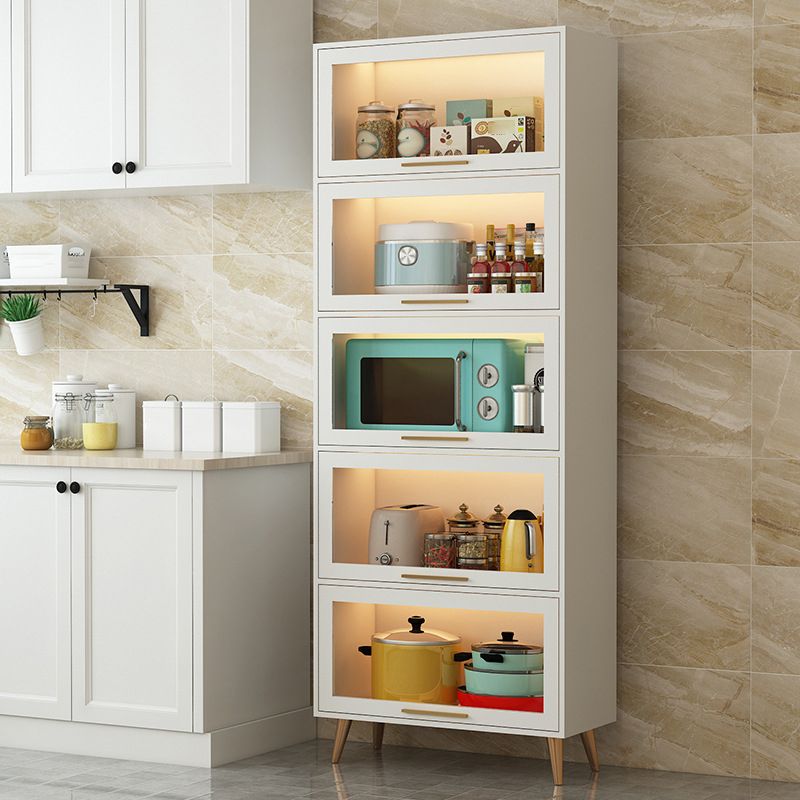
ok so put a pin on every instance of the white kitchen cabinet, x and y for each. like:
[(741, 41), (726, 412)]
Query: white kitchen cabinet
[(158, 613), (68, 94), (34, 593), (115, 94), (132, 639), (5, 95)]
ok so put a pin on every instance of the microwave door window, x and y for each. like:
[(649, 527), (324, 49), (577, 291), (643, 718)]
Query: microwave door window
[(413, 392)]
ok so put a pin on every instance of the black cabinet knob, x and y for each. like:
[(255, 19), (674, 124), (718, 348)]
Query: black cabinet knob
[(74, 487), (61, 487), (116, 167), (130, 167)]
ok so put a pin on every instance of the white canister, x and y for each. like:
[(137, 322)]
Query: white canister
[(161, 422), (534, 361), (125, 407), (251, 427), (202, 426), (73, 384)]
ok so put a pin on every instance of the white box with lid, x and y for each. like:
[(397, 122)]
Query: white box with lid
[(202, 426), (48, 261), (251, 427), (161, 422)]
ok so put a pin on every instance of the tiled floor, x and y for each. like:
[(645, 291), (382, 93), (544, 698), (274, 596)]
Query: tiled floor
[(399, 773)]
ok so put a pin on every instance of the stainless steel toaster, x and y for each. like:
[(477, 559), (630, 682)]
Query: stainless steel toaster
[(396, 533)]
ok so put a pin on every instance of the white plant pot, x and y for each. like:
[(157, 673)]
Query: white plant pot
[(28, 335)]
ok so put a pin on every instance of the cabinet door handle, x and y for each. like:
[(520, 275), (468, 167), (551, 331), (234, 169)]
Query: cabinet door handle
[(435, 438), (116, 167), (434, 302), (426, 713), (450, 578), (130, 167), (74, 487), (459, 163), (61, 487)]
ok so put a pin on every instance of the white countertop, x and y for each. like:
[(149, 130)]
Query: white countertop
[(12, 455)]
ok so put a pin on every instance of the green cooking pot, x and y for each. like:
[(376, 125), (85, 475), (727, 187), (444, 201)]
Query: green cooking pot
[(507, 655), (504, 684)]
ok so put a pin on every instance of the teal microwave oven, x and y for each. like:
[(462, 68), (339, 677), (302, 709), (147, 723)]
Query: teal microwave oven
[(432, 384)]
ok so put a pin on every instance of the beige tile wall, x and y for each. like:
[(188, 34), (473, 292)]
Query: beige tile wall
[(709, 337), (709, 391)]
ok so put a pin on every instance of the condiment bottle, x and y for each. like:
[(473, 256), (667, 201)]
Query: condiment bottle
[(530, 235), (538, 259), (511, 239), (490, 251), (481, 264), (500, 263), (518, 264)]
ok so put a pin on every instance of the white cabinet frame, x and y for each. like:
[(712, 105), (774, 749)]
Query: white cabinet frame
[(546, 41), (330, 704), (5, 95), (330, 248), (329, 409), (329, 461)]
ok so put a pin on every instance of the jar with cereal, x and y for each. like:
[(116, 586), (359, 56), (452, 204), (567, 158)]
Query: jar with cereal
[(375, 131)]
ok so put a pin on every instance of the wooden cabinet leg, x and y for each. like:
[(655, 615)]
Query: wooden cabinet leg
[(377, 735), (590, 746), (342, 729), (556, 748)]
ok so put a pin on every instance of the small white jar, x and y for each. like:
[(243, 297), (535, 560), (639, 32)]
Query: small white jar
[(161, 422), (253, 427), (202, 426)]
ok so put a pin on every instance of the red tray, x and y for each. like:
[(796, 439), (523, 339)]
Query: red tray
[(465, 698)]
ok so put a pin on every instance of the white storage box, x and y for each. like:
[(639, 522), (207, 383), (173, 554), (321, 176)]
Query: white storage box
[(161, 421), (4, 271), (202, 426), (251, 427), (48, 261)]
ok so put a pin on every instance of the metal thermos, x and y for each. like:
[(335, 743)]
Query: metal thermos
[(528, 408)]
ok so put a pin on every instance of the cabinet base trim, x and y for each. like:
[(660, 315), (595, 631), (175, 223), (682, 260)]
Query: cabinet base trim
[(166, 747)]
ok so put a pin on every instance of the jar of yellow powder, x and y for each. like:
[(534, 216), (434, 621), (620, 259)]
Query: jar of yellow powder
[(100, 429)]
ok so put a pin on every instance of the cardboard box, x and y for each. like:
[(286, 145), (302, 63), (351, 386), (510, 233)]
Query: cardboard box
[(450, 140), (523, 107), (502, 135), (462, 112)]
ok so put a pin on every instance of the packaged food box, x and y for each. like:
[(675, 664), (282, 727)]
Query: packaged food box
[(502, 135), (450, 140), (462, 112), (48, 261), (523, 107)]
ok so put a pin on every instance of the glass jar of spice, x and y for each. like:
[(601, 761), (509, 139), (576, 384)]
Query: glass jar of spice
[(414, 121), (375, 131), (439, 550), (37, 434), (464, 521)]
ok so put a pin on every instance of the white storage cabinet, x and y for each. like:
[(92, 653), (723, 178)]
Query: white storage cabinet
[(143, 600), (568, 472), (109, 94)]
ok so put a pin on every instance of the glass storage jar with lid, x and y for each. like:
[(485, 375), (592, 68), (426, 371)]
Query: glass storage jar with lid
[(439, 550), (100, 427), (414, 121), (68, 417), (375, 131), (463, 521), (37, 434)]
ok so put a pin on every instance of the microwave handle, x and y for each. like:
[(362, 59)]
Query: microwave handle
[(459, 358)]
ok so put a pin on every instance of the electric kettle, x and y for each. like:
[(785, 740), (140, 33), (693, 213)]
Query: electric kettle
[(522, 545)]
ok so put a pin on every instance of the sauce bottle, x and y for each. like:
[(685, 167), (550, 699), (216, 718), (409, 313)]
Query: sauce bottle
[(490, 250)]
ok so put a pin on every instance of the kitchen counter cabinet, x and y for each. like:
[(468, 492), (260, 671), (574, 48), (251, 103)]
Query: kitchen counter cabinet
[(167, 608)]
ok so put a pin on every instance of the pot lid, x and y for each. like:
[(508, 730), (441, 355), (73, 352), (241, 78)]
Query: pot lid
[(375, 105), (469, 665), (416, 105), (416, 636), (509, 645), (496, 520)]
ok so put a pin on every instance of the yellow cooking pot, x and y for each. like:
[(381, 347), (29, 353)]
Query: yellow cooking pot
[(522, 545), (415, 666)]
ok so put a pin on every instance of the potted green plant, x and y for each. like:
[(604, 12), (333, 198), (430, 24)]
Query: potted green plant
[(22, 313)]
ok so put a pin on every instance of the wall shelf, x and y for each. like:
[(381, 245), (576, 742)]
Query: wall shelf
[(140, 308)]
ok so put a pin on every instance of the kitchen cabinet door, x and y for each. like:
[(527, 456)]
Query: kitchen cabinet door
[(132, 598), (34, 593), (5, 95), (68, 94), (186, 92)]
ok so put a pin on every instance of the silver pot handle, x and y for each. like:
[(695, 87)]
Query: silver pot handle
[(459, 358), (530, 540)]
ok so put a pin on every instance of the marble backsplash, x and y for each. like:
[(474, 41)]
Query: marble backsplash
[(709, 339)]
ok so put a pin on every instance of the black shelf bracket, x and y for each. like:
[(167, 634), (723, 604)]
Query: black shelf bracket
[(140, 308)]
